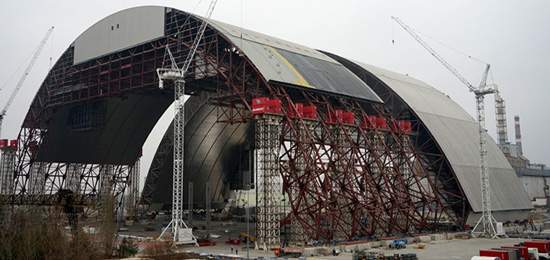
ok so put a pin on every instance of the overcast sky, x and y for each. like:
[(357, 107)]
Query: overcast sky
[(513, 36)]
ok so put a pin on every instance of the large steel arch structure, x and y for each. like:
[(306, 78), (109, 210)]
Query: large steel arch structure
[(341, 150)]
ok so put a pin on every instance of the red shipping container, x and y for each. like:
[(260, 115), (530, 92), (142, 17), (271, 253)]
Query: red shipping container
[(275, 106), (3, 143), (259, 105), (339, 115), (503, 255), (13, 143), (299, 112), (348, 118), (523, 251), (264, 105), (381, 123), (332, 117), (369, 122), (542, 245), (310, 112), (405, 126)]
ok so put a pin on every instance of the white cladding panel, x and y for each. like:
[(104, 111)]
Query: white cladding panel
[(456, 132), (534, 185), (120, 31)]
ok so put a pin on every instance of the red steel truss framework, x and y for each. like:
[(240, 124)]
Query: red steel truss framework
[(338, 180)]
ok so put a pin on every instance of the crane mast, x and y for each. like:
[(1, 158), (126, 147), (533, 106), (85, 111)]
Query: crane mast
[(180, 231), (26, 72), (486, 224)]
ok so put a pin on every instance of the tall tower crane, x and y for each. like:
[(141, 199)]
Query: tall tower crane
[(486, 224), (19, 84), (180, 231)]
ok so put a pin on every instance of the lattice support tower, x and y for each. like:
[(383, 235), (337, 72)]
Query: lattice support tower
[(7, 164), (297, 232), (37, 178), (269, 181), (341, 152), (132, 197), (487, 223), (500, 116), (190, 204), (72, 181)]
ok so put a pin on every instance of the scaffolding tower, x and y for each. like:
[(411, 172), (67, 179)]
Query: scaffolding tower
[(7, 164), (269, 182), (72, 181), (132, 197)]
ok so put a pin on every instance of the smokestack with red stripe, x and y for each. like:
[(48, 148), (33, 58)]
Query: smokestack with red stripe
[(518, 135)]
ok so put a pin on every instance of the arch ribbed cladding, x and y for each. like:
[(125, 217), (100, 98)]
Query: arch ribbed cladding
[(115, 90)]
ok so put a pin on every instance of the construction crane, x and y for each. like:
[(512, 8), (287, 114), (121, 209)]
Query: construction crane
[(181, 233), (19, 84), (486, 224)]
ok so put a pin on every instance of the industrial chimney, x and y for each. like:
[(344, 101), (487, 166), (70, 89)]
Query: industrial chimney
[(518, 135)]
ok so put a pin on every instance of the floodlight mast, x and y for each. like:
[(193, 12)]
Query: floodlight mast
[(486, 224), (180, 231)]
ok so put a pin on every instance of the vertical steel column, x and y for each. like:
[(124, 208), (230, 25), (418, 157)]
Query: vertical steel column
[(190, 204), (341, 153), (105, 180), (269, 181), (132, 198), (207, 201), (72, 181), (486, 224), (405, 187), (301, 151), (381, 162), (37, 179)]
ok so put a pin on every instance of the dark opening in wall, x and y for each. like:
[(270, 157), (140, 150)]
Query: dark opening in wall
[(87, 116)]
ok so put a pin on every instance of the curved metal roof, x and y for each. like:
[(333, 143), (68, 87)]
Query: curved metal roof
[(284, 61), (277, 60), (456, 132)]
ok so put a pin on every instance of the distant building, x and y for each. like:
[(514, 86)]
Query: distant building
[(535, 177)]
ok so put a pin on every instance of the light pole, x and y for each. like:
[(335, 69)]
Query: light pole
[(247, 212)]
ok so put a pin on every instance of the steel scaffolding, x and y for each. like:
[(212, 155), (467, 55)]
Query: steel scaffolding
[(7, 163), (269, 183), (72, 181), (132, 194), (339, 180)]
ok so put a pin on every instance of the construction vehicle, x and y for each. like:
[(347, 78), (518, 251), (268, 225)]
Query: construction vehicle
[(181, 233), (486, 226), (398, 244), (247, 237), (19, 84)]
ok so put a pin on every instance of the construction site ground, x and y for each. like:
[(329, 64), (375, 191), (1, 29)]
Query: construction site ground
[(457, 249), (434, 247)]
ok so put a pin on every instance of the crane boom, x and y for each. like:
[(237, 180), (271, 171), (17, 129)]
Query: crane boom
[(198, 38), (24, 77), (434, 53)]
